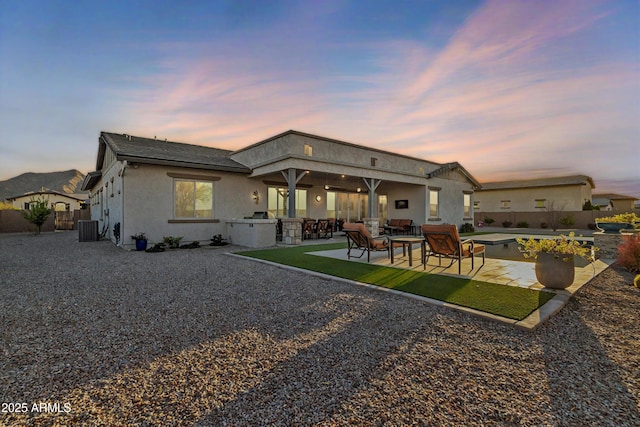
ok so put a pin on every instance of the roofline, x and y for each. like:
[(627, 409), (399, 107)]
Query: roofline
[(533, 183), (335, 141), (33, 193), (164, 162), (105, 136)]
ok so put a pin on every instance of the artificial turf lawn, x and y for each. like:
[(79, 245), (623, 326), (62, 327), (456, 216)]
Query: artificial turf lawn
[(507, 301)]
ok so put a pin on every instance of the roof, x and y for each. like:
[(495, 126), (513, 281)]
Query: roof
[(612, 196), (78, 197), (446, 167), (455, 166), (153, 151), (334, 141), (541, 182)]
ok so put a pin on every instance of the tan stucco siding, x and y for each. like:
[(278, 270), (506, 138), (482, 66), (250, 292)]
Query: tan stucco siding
[(565, 198), (328, 152), (149, 203), (19, 202)]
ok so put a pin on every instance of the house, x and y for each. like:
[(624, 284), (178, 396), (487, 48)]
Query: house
[(58, 201), (618, 202), (167, 188), (565, 193)]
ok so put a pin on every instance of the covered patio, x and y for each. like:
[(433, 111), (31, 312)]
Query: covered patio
[(308, 176)]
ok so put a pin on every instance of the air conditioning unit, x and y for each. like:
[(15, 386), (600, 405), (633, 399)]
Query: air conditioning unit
[(88, 231)]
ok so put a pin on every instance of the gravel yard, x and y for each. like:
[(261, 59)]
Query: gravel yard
[(94, 335)]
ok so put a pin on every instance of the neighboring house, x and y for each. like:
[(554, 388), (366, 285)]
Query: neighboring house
[(618, 202), (166, 188), (58, 201), (566, 193)]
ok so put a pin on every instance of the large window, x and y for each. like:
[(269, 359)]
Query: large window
[(278, 202), (434, 210), (193, 199)]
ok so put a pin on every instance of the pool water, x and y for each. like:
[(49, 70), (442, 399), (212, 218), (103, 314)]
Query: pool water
[(509, 251)]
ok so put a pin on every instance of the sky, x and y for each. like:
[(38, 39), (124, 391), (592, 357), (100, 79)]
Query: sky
[(510, 89)]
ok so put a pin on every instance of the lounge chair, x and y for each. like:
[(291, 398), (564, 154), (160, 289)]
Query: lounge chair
[(444, 242), (358, 237)]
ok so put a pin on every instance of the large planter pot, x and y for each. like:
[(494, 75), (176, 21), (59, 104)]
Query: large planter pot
[(612, 227), (141, 245), (555, 271)]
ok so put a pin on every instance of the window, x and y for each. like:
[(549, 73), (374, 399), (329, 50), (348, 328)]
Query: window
[(467, 205), (476, 205), (505, 204), (433, 203), (382, 208), (193, 199), (278, 202), (374, 161), (308, 150), (541, 203)]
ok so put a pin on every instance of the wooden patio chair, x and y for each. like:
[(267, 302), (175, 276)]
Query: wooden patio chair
[(358, 237), (444, 242)]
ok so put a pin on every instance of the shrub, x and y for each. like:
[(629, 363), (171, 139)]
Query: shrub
[(507, 224), (629, 218), (467, 228), (568, 221), (587, 206), (544, 225), (218, 240), (629, 253), (172, 242), (38, 212), (522, 224), (4, 206), (489, 220), (561, 245)]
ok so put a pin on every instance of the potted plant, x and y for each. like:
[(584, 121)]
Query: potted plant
[(141, 241), (555, 263), (615, 223)]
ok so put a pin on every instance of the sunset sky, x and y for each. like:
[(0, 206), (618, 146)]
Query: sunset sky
[(510, 89)]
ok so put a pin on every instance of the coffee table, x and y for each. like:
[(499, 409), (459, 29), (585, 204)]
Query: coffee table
[(407, 243)]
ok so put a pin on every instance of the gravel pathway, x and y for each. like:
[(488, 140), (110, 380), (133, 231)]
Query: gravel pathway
[(94, 335)]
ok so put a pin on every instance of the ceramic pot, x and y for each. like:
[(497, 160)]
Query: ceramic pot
[(612, 227), (555, 271), (141, 245)]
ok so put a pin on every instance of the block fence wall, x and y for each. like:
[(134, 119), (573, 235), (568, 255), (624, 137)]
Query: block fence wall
[(583, 219)]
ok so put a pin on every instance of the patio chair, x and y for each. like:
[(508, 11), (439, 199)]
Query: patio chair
[(308, 228), (324, 229), (444, 242), (358, 237)]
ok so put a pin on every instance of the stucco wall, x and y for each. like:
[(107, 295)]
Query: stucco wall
[(149, 203), (52, 198), (569, 198)]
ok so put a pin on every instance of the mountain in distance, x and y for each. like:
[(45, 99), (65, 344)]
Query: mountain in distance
[(68, 182)]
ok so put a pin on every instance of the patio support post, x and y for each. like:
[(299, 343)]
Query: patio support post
[(292, 180), (372, 184)]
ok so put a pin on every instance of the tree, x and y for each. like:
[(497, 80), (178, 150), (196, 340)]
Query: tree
[(38, 212)]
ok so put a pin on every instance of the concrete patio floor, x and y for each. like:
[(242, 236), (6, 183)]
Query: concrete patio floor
[(500, 271)]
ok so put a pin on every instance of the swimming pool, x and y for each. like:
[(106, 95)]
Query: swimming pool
[(506, 247)]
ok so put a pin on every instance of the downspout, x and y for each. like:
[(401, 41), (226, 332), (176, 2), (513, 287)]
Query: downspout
[(125, 165)]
